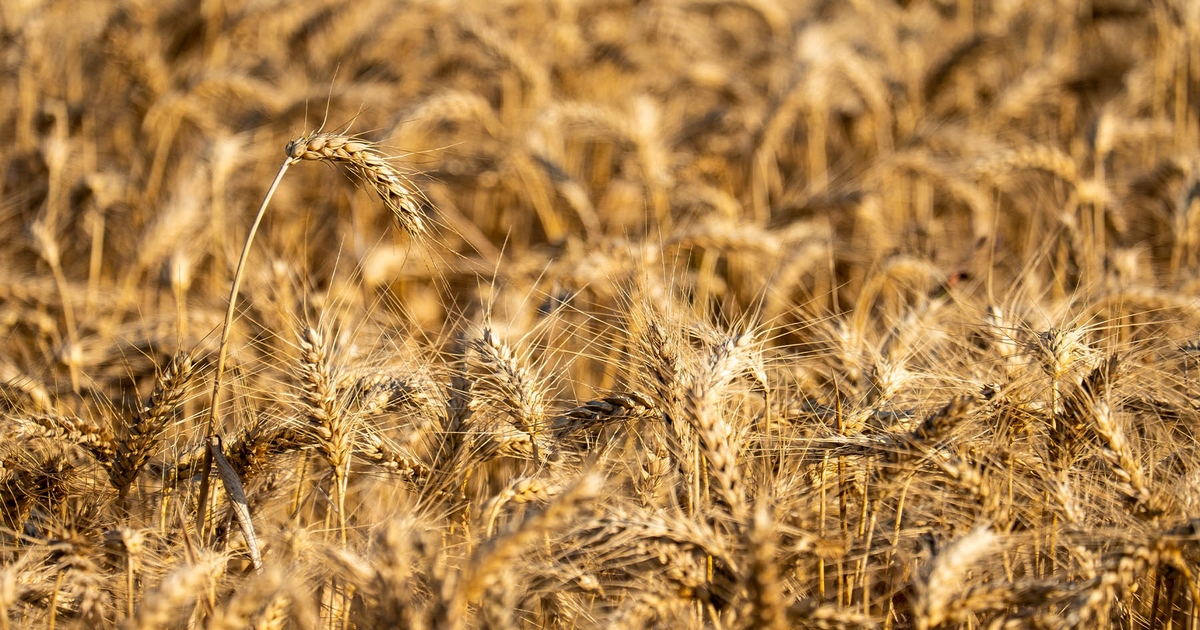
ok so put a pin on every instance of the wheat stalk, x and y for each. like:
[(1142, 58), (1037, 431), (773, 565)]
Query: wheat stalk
[(363, 160)]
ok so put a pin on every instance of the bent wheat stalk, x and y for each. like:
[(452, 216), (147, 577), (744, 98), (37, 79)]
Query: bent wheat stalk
[(366, 162)]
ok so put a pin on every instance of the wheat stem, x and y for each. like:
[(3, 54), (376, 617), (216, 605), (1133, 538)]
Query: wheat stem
[(210, 431)]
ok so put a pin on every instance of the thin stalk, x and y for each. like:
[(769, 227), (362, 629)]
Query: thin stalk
[(206, 467), (128, 584), (821, 532), (342, 483), (842, 507), (1158, 588), (299, 494), (58, 580), (60, 279), (95, 261), (890, 615)]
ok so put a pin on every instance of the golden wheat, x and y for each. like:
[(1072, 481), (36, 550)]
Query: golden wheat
[(700, 314)]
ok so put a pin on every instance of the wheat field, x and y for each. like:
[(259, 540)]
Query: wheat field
[(600, 314)]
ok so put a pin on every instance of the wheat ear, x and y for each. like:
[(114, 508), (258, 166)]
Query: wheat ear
[(177, 588), (327, 415), (493, 556), (947, 573), (519, 390), (366, 162), (149, 422)]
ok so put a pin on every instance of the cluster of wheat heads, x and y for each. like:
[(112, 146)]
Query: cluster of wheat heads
[(660, 313)]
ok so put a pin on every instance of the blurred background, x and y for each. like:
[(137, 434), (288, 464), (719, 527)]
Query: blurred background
[(766, 156)]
